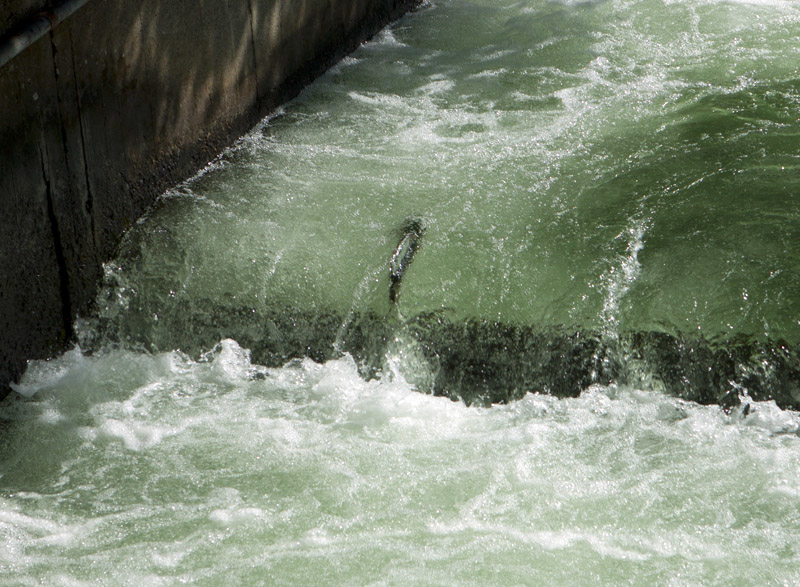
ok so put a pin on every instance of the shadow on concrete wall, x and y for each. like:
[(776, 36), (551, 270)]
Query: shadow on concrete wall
[(14, 12)]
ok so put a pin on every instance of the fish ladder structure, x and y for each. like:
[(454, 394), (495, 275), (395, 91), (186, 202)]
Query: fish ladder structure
[(106, 103)]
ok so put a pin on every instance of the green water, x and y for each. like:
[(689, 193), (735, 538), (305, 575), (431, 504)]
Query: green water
[(578, 163), (612, 166)]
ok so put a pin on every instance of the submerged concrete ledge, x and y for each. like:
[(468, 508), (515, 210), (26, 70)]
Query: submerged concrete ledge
[(119, 102), (480, 362)]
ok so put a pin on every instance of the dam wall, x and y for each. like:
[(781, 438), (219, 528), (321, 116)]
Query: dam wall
[(115, 104)]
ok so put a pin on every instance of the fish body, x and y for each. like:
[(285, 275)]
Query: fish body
[(403, 255)]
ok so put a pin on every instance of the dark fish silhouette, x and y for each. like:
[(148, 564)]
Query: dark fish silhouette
[(411, 235)]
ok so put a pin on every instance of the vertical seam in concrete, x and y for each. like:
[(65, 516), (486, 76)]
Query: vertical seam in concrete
[(253, 46), (89, 193), (63, 274), (58, 245)]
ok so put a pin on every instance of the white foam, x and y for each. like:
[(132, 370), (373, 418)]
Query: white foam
[(237, 516), (621, 276), (230, 362), (788, 6), (36, 526), (576, 2), (169, 559), (374, 458), (387, 38), (135, 436), (768, 416), (44, 374)]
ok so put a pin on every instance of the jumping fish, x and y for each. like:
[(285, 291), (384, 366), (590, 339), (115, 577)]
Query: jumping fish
[(411, 235)]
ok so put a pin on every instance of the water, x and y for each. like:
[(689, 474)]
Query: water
[(608, 194)]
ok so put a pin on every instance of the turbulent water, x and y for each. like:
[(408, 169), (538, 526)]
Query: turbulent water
[(599, 182)]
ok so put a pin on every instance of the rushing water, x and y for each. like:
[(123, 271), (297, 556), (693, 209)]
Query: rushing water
[(609, 196)]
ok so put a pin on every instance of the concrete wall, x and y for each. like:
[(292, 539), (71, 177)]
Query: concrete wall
[(14, 12), (118, 103)]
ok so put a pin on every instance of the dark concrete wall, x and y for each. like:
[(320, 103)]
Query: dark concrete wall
[(15, 12), (115, 105)]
